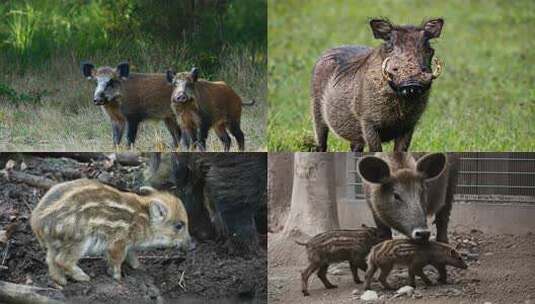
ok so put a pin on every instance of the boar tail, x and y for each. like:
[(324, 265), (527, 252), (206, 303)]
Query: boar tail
[(300, 243), (250, 103)]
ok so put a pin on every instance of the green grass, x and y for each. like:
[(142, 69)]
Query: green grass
[(49, 107), (483, 101)]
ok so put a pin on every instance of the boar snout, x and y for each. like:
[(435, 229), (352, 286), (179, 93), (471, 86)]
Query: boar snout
[(421, 234), (181, 98)]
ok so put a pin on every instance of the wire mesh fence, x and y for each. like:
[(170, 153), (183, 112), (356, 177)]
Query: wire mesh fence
[(483, 176)]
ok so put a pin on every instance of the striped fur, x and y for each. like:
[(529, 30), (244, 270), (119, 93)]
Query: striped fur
[(86, 217), (412, 254), (337, 246)]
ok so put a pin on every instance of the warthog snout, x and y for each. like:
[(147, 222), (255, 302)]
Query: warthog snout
[(394, 72), (421, 234)]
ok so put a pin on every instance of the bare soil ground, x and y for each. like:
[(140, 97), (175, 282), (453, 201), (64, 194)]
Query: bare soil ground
[(208, 274), (501, 270)]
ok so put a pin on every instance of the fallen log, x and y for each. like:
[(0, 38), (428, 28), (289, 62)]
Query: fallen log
[(11, 293), (29, 179)]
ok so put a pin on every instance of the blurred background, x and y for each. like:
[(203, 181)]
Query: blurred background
[(483, 101), (42, 43)]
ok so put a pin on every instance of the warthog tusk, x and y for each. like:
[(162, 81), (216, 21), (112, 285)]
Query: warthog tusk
[(386, 76), (438, 67)]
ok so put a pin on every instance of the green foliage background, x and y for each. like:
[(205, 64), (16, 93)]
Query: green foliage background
[(42, 43), (483, 101)]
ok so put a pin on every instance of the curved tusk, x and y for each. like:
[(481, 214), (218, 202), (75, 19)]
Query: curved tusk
[(386, 76), (438, 67)]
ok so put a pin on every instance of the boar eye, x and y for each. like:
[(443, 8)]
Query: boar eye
[(397, 197), (179, 226), (452, 253)]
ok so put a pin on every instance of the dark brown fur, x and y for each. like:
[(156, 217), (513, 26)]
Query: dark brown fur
[(351, 97), (212, 105), (416, 256), (140, 96), (337, 246)]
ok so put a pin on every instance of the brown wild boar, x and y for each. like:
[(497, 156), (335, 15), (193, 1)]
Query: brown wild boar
[(373, 95), (403, 192), (414, 255), (337, 246), (200, 105), (85, 217), (129, 98)]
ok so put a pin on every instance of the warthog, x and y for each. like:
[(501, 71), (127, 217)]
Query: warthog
[(200, 105), (129, 98), (402, 192), (373, 95)]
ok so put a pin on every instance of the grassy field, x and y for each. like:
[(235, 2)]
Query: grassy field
[(64, 119), (483, 101)]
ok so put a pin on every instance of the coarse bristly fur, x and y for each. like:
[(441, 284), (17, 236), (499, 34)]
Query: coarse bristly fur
[(352, 98), (385, 255), (336, 246), (130, 98), (87, 217)]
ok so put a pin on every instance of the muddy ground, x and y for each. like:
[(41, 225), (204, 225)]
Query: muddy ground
[(208, 274), (501, 270)]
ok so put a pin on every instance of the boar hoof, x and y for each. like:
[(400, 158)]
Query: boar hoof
[(305, 293), (331, 286), (60, 281), (80, 276)]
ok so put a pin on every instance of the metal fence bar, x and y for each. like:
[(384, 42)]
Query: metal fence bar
[(484, 174)]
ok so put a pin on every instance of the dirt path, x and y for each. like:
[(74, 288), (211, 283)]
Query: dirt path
[(501, 270), (207, 275)]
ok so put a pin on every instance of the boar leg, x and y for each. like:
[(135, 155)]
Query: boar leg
[(357, 145), (185, 140), (322, 274), (236, 131), (132, 260), (116, 255), (369, 275), (442, 273), (420, 272), (56, 272), (372, 137), (355, 272), (384, 231), (321, 130), (402, 143), (305, 275), (385, 271), (132, 125), (441, 221), (174, 129), (118, 130), (223, 136)]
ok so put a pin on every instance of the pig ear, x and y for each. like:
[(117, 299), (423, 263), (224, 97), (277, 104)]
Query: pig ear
[(433, 27), (431, 165), (146, 190), (373, 170), (157, 211), (194, 74), (381, 28), (88, 69), (170, 75), (123, 69)]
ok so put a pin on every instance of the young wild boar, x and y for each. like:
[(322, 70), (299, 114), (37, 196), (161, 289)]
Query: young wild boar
[(84, 217), (373, 95), (414, 255), (200, 105), (129, 98), (337, 246)]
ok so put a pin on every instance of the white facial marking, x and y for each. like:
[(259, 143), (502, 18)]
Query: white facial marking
[(102, 82)]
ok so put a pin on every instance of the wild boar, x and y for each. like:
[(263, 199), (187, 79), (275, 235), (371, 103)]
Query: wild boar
[(200, 105), (224, 194), (414, 255), (373, 95), (86, 217), (130, 98), (337, 246)]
